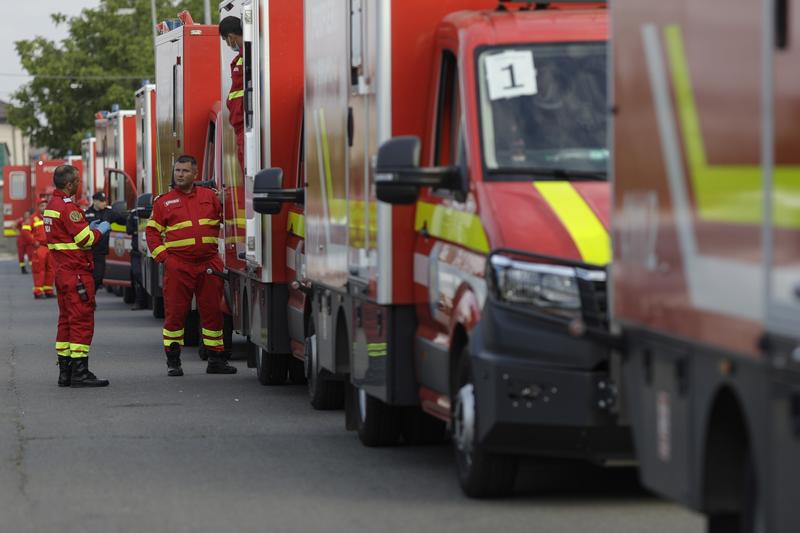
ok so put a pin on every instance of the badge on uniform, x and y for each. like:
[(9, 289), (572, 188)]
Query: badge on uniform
[(75, 216)]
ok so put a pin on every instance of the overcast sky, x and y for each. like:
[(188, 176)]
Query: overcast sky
[(28, 18)]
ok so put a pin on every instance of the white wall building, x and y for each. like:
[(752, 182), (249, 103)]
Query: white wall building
[(15, 142)]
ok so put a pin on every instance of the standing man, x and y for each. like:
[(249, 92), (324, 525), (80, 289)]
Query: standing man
[(230, 30), (41, 262), (22, 246), (99, 211), (26, 243), (70, 239), (183, 233)]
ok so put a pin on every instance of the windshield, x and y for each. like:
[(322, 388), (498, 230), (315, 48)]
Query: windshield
[(543, 111)]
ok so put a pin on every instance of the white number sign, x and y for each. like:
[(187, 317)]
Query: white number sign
[(511, 74)]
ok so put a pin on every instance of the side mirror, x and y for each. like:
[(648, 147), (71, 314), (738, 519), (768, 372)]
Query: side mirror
[(398, 176), (268, 194), (144, 205), (119, 209)]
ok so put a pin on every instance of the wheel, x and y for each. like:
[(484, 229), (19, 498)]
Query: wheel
[(128, 295), (481, 474), (158, 307), (271, 368), (379, 423), (752, 518), (419, 428), (325, 393), (297, 371), (191, 331)]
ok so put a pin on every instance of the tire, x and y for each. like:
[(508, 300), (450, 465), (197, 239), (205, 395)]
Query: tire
[(191, 331), (158, 307), (379, 424), (420, 429), (128, 295), (271, 368), (324, 392), (109, 289), (117, 291), (297, 371), (481, 474), (752, 518)]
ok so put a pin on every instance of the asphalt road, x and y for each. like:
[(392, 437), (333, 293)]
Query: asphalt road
[(223, 453)]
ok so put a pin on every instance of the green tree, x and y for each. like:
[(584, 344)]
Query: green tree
[(103, 60)]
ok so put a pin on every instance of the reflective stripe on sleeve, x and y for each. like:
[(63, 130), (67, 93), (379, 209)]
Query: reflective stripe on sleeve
[(63, 246), (38, 222), (52, 213), (26, 227), (153, 224), (87, 235), (155, 253), (233, 95), (208, 221)]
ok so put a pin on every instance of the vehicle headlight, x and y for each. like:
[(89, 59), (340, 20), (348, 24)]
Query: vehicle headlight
[(550, 288)]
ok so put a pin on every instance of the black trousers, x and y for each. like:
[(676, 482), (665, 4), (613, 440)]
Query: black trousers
[(99, 269)]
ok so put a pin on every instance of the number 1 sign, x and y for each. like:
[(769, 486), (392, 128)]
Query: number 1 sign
[(511, 74)]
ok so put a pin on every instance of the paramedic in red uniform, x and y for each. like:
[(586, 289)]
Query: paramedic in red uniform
[(183, 233), (21, 246), (25, 241), (70, 239), (44, 276), (230, 30)]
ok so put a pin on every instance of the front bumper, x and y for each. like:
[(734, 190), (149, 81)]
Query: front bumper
[(542, 391)]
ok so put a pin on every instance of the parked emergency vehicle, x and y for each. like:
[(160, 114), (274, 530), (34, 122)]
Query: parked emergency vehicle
[(706, 267), (17, 197), (89, 174), (264, 255), (115, 147), (483, 301), (187, 88)]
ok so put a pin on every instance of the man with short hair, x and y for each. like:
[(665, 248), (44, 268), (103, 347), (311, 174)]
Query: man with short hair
[(183, 233), (230, 30), (70, 239)]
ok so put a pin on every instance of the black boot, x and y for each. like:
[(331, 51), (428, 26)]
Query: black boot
[(23, 270), (218, 364), (64, 371), (174, 360), (81, 377)]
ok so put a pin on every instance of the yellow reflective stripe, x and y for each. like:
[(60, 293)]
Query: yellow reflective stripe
[(240, 222), (170, 342), (78, 355), (209, 342), (85, 234), (51, 213), (172, 334), (158, 250), (60, 345), (180, 225), (75, 347), (182, 242), (26, 227), (725, 193), (208, 221), (210, 240), (63, 353), (233, 95), (212, 332), (153, 224), (38, 222), (47, 287), (587, 232), (376, 349), (240, 62), (452, 225), (115, 226), (63, 246), (296, 223), (10, 233)]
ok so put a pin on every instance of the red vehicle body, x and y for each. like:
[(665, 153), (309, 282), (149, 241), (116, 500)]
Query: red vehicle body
[(17, 197), (89, 173), (174, 120), (115, 134), (454, 306)]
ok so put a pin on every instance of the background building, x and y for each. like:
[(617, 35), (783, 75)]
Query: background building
[(14, 146)]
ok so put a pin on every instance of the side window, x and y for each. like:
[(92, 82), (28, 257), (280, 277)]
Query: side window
[(448, 113), (17, 189)]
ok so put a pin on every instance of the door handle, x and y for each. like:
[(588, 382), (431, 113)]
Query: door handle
[(350, 127), (781, 24)]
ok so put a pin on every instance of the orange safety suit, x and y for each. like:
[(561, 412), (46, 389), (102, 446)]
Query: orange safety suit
[(70, 240), (44, 276), (236, 105), (183, 233)]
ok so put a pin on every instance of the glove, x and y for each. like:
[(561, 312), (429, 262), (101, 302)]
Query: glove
[(103, 227), (94, 223)]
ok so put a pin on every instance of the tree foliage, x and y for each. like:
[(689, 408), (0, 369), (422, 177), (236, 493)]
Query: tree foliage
[(105, 57)]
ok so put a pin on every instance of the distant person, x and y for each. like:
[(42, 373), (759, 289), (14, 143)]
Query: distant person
[(183, 234), (100, 211), (70, 237), (22, 247), (42, 261), (230, 30)]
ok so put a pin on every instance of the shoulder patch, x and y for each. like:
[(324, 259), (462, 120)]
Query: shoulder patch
[(75, 216)]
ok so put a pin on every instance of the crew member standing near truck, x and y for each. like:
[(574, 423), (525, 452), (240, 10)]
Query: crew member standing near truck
[(70, 239), (99, 211), (230, 30), (41, 263), (183, 233)]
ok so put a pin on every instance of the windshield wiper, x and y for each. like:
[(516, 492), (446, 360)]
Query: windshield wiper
[(559, 173)]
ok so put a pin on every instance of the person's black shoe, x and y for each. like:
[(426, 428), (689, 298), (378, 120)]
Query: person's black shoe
[(23, 270), (174, 360), (217, 364), (50, 295), (138, 307), (81, 377), (64, 371), (38, 296)]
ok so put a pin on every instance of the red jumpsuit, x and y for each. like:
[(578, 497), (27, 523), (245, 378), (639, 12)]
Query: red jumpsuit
[(70, 240), (236, 105), (23, 248), (183, 233), (41, 261)]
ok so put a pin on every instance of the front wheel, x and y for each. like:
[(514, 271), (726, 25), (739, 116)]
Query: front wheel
[(481, 474), (379, 424), (324, 392)]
